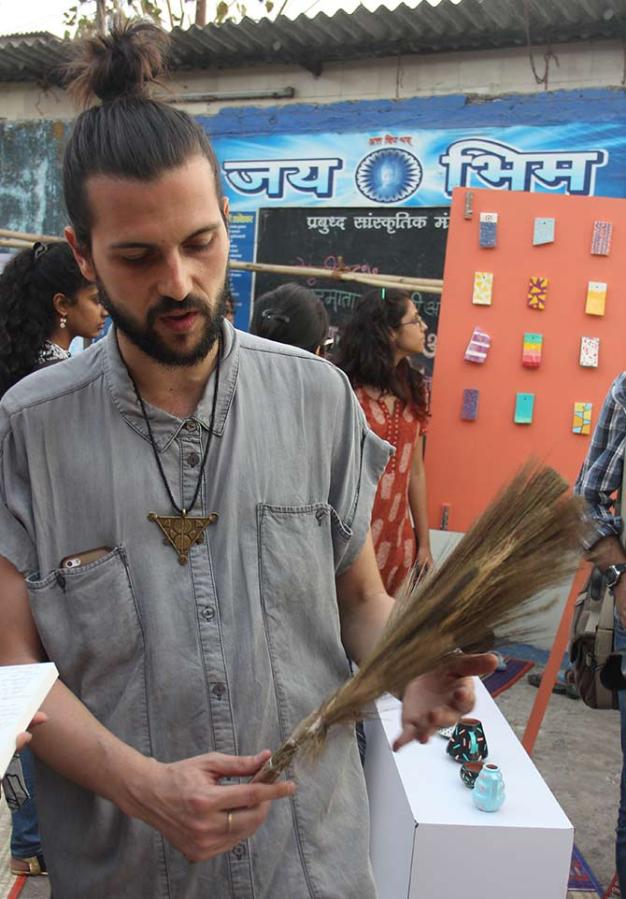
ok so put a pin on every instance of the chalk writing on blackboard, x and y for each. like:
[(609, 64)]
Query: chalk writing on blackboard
[(391, 241)]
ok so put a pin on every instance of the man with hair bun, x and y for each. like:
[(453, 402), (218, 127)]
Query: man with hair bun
[(202, 597)]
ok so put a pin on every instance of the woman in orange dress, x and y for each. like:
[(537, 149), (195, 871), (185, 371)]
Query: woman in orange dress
[(384, 331)]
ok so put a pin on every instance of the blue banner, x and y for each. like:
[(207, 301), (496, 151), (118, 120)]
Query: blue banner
[(421, 168), (242, 233)]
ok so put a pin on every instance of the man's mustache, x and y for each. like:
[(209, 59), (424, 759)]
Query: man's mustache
[(167, 305)]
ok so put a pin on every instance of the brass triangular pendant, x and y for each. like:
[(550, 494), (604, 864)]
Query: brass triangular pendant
[(182, 531)]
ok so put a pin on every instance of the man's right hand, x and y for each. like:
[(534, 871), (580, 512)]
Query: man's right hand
[(201, 817)]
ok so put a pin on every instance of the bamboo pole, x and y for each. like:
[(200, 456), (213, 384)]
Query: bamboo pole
[(426, 285), (14, 244), (25, 236), (339, 273), (400, 279), (22, 239)]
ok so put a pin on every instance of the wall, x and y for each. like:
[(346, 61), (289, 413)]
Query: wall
[(31, 196), (273, 157), (30, 151), (412, 93), (486, 73)]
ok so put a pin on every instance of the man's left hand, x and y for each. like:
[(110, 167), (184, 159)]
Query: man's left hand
[(438, 699)]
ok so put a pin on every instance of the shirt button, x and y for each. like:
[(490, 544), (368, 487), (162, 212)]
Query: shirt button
[(193, 459), (190, 425), (239, 851), (208, 613), (218, 690)]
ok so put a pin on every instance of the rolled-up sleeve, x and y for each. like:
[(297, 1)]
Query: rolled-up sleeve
[(359, 459), (600, 477), (16, 544)]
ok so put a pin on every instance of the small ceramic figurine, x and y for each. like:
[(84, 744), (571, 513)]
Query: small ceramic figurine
[(468, 743), (488, 792), (469, 772)]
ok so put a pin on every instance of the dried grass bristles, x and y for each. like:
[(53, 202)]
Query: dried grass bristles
[(528, 539)]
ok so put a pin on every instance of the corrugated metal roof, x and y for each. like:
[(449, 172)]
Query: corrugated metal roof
[(467, 25)]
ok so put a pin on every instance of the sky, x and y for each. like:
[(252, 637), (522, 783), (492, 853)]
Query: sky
[(47, 15)]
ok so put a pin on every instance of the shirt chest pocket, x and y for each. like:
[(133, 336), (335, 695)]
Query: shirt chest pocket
[(297, 549), (89, 625)]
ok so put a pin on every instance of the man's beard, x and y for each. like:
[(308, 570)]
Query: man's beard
[(146, 338)]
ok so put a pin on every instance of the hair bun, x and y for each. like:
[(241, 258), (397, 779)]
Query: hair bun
[(126, 62)]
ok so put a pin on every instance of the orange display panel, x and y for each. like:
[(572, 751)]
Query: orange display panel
[(468, 460)]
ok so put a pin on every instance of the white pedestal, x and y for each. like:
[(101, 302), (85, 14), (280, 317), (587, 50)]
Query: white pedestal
[(429, 841)]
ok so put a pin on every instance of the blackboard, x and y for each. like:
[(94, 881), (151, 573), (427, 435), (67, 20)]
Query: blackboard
[(395, 241)]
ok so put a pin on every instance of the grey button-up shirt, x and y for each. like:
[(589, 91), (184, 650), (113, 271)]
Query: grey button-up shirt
[(227, 653)]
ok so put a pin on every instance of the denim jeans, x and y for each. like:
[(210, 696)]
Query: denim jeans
[(620, 845), (25, 840)]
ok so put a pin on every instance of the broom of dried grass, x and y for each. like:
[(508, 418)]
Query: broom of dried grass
[(528, 539)]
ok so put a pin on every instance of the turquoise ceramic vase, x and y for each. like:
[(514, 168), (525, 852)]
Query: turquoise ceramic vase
[(488, 794)]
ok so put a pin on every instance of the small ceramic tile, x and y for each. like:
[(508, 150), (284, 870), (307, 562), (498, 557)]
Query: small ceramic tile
[(531, 350), (524, 408), (589, 352), (581, 422), (601, 238), (543, 231), (537, 292), (596, 298), (483, 288), (469, 409), (488, 229), (478, 347), (468, 206)]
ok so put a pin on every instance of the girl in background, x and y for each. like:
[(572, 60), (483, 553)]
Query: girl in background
[(44, 304), (291, 314), (374, 350)]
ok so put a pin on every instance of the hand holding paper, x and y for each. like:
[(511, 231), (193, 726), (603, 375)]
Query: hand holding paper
[(22, 690)]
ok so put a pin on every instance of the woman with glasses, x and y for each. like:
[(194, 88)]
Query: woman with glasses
[(374, 350)]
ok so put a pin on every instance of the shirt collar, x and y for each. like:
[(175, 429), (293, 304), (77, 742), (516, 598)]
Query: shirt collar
[(165, 427)]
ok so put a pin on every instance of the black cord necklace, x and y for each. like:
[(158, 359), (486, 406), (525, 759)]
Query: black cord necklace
[(182, 531)]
